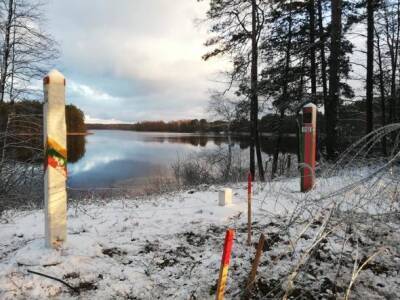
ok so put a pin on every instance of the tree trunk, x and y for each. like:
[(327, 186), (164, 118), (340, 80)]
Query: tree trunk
[(252, 143), (382, 92), (313, 75), (254, 92), (322, 53), (284, 96), (370, 65), (334, 77), (13, 60), (229, 162), (278, 145), (6, 50), (392, 110)]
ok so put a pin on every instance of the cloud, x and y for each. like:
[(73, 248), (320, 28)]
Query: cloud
[(89, 92), (90, 120), (134, 60)]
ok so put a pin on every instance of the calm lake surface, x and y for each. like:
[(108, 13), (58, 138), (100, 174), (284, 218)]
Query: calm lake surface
[(112, 157)]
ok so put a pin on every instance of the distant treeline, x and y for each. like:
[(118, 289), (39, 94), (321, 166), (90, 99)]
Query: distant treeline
[(202, 125), (29, 123), (75, 118), (351, 117)]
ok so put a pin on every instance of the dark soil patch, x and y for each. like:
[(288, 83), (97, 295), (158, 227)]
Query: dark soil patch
[(87, 286), (316, 224), (269, 289), (213, 288), (299, 293), (254, 227), (111, 252), (357, 241), (327, 284), (271, 239), (216, 230), (180, 251), (194, 239), (167, 262), (72, 275), (322, 255), (149, 247), (375, 267), (272, 224)]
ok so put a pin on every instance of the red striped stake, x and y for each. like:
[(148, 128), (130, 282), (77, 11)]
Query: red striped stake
[(249, 183), (308, 146), (226, 257)]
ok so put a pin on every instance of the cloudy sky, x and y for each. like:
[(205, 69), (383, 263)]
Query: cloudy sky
[(132, 60)]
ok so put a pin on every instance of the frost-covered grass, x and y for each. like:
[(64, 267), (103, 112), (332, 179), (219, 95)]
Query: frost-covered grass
[(170, 246)]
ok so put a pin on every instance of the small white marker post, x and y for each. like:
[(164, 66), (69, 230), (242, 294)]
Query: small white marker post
[(225, 197), (55, 143)]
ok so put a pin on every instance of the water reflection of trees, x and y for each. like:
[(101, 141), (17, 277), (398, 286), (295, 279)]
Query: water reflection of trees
[(76, 143), (197, 140), (76, 147), (267, 143)]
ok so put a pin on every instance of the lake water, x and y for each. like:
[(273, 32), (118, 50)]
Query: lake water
[(110, 157)]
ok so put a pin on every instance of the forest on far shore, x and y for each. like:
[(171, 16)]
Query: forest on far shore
[(351, 116)]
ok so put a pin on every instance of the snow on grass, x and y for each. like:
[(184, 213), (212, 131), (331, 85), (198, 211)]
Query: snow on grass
[(170, 246)]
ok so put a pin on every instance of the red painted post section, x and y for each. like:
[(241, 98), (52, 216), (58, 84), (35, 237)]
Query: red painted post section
[(309, 131), (249, 181), (226, 257), (249, 185)]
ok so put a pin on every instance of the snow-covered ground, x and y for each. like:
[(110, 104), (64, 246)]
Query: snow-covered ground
[(170, 246)]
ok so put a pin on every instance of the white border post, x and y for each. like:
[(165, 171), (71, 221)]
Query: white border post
[(55, 143)]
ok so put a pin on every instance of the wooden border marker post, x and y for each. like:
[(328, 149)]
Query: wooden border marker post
[(226, 257), (249, 183), (55, 143), (308, 147), (256, 262)]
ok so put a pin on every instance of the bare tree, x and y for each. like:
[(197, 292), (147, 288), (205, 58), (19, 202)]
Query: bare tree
[(225, 109), (6, 47), (27, 52), (390, 28), (257, 21), (236, 27)]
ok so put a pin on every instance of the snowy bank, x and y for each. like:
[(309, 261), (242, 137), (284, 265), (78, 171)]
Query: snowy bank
[(170, 246)]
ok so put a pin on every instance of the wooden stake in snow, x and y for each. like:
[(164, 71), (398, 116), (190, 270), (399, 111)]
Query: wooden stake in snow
[(308, 147), (256, 262), (55, 143), (249, 182), (226, 256)]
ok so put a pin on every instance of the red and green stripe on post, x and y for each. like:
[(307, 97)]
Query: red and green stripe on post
[(56, 156), (55, 162)]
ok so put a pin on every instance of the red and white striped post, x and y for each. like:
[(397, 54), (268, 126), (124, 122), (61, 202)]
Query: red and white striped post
[(226, 257), (308, 147)]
